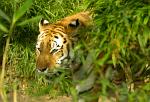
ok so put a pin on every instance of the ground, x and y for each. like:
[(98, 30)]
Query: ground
[(45, 98)]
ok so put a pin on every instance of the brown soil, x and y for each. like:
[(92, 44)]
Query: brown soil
[(46, 98)]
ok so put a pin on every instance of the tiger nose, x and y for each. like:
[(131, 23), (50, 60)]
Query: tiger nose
[(42, 69)]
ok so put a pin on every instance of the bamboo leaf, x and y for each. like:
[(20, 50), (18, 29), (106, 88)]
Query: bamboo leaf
[(146, 20), (102, 61), (21, 11), (3, 28), (114, 59), (140, 40), (3, 15), (29, 20), (146, 87)]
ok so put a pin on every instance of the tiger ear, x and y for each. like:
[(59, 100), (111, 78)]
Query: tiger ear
[(74, 23), (43, 22)]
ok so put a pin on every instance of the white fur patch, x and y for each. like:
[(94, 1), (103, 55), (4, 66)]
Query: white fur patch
[(57, 43), (73, 22), (45, 22)]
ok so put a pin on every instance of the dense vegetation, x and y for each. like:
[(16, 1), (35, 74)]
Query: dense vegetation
[(120, 35)]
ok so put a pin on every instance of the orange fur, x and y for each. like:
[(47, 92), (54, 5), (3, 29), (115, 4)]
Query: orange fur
[(55, 40)]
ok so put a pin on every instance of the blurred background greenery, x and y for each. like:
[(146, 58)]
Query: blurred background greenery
[(120, 34)]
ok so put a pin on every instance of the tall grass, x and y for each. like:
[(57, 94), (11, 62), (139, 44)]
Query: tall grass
[(9, 31), (121, 34), (20, 68)]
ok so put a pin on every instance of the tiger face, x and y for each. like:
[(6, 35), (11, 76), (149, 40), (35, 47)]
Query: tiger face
[(54, 43)]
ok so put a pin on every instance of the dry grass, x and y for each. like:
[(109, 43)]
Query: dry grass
[(45, 98)]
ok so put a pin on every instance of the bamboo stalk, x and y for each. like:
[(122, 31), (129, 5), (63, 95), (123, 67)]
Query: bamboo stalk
[(5, 54)]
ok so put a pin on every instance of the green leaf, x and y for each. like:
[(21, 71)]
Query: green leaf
[(102, 60), (140, 39), (114, 59), (3, 15), (21, 11), (3, 28), (29, 20), (146, 19), (146, 87)]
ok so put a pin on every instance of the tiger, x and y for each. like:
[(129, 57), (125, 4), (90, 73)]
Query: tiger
[(56, 41)]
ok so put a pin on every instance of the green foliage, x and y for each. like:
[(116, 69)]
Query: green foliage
[(123, 26), (20, 12), (3, 28), (24, 30), (121, 33), (22, 60), (122, 30), (3, 15)]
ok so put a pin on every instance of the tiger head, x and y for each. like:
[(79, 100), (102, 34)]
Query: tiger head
[(54, 43)]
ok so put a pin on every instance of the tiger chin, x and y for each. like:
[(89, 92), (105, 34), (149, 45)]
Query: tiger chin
[(55, 45)]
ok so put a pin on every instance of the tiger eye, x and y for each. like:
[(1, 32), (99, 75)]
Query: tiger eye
[(39, 49), (53, 51), (56, 37)]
